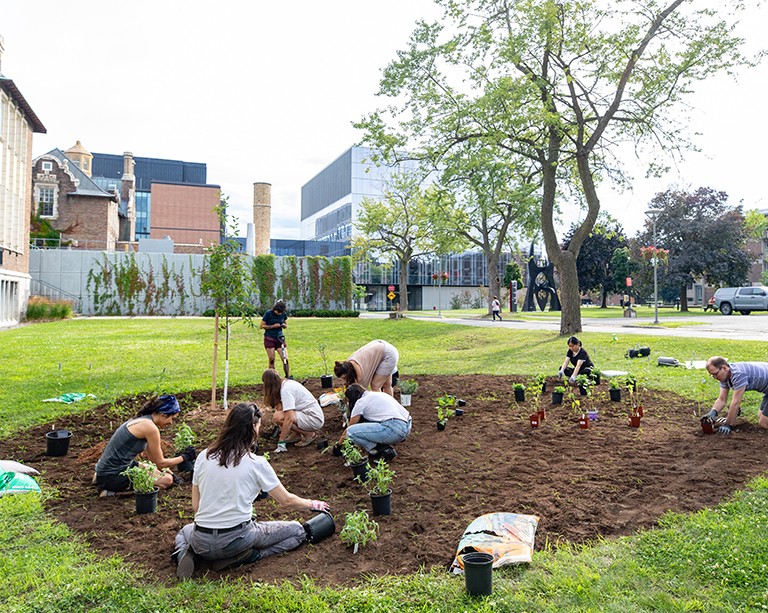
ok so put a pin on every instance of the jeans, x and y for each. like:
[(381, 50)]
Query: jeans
[(367, 435), (269, 537)]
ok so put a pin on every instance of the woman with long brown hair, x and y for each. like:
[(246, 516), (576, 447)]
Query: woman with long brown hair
[(373, 365), (297, 412), (228, 477)]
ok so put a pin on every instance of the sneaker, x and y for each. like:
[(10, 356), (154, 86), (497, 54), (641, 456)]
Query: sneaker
[(249, 556), (186, 565), (105, 493)]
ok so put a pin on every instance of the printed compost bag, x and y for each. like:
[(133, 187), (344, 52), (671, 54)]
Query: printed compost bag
[(16, 483), (508, 537)]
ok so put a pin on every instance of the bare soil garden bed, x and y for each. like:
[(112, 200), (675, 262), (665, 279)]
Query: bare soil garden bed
[(606, 481)]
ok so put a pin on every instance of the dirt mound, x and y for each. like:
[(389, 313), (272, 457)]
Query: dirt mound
[(605, 481)]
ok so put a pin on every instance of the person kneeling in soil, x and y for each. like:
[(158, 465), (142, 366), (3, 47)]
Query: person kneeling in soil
[(297, 412), (741, 377), (377, 421), (373, 365), (134, 436), (228, 477), (576, 362)]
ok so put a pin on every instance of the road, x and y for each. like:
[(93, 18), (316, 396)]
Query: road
[(733, 327)]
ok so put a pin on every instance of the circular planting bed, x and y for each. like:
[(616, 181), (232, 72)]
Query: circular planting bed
[(607, 480)]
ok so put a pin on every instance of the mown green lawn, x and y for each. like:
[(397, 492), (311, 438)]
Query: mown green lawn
[(714, 560)]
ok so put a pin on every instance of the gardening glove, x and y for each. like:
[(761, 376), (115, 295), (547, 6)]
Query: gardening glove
[(724, 429), (721, 420), (189, 454), (560, 374), (336, 451), (281, 447), (319, 505), (711, 415), (572, 379), (262, 495)]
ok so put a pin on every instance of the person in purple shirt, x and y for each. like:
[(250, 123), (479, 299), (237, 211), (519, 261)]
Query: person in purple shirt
[(739, 377)]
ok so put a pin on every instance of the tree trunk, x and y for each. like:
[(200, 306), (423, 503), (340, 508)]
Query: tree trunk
[(604, 303), (570, 297), (215, 358), (403, 286), (684, 298)]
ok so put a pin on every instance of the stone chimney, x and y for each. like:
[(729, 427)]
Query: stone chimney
[(128, 195), (262, 216)]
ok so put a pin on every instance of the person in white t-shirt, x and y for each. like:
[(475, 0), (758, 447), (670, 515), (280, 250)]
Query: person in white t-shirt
[(297, 412), (376, 422), (228, 477)]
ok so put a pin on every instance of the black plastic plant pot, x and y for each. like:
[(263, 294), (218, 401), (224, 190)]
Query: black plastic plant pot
[(596, 378), (519, 395), (459, 412), (582, 390), (360, 470), (557, 398), (320, 527), (615, 395), (382, 503), (146, 502), (322, 444), (478, 573), (326, 382), (461, 403), (544, 387), (57, 442), (440, 425)]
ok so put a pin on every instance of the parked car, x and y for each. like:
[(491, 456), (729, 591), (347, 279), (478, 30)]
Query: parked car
[(741, 299)]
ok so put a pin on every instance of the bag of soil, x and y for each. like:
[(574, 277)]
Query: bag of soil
[(638, 352)]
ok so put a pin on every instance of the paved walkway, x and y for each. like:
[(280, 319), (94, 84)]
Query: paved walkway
[(733, 327)]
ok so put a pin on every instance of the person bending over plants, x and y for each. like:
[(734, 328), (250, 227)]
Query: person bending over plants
[(228, 477), (576, 361), (373, 365), (297, 412), (739, 377), (376, 422), (134, 436)]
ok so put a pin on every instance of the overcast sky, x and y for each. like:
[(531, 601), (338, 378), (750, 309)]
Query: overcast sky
[(267, 91)]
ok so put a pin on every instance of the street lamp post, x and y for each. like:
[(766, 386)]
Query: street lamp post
[(653, 214)]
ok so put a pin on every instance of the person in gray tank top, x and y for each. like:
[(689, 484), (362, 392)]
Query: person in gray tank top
[(132, 438), (739, 377)]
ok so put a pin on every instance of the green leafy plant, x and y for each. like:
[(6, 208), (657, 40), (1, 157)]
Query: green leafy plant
[(631, 381), (380, 477), (358, 530), (445, 404), (185, 437), (321, 349), (351, 452), (408, 386), (540, 380), (614, 383), (584, 382), (142, 477), (559, 390), (518, 387)]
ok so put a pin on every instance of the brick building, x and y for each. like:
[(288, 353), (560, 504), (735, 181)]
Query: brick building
[(17, 124)]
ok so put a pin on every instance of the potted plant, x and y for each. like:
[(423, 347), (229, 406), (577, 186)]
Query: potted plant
[(634, 419), (631, 381), (326, 380), (541, 382), (584, 422), (596, 376), (614, 389), (184, 439), (535, 419), (584, 383), (355, 459), (445, 409), (519, 390), (142, 478), (557, 394), (358, 530), (378, 483), (408, 387)]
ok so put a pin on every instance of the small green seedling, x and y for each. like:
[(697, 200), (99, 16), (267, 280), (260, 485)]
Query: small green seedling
[(184, 438), (380, 477), (142, 477), (445, 404), (408, 386), (358, 530), (351, 452)]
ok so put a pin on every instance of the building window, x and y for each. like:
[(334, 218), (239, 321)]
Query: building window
[(47, 166), (46, 201)]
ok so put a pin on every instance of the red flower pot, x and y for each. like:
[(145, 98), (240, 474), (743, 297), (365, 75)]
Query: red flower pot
[(534, 420), (584, 422), (707, 426), (542, 414), (634, 421)]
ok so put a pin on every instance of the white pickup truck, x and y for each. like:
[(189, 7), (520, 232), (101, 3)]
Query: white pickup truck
[(741, 299)]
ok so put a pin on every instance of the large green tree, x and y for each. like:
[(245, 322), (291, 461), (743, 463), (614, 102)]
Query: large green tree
[(403, 224), (706, 238), (559, 83), (595, 261)]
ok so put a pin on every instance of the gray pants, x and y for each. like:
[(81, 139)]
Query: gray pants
[(269, 537)]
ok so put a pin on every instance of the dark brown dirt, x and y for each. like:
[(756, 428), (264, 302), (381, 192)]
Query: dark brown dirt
[(606, 481)]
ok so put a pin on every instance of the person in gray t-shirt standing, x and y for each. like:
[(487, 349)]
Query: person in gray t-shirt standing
[(741, 377)]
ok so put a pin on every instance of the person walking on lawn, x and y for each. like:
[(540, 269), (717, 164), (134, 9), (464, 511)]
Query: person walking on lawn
[(496, 308), (739, 377), (228, 478), (297, 412)]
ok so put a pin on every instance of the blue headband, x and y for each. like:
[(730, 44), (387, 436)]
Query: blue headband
[(167, 405)]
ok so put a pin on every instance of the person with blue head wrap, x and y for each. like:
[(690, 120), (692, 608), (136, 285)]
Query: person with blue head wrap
[(135, 436)]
